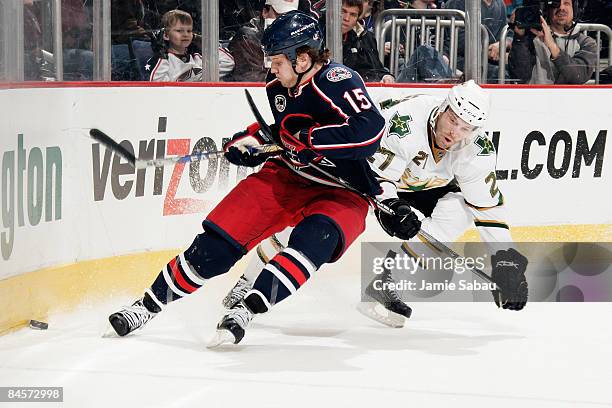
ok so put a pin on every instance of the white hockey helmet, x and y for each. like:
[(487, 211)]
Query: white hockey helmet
[(469, 101), (283, 6)]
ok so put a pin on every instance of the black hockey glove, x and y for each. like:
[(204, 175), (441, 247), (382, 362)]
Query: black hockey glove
[(508, 273), (242, 150), (294, 136), (404, 224)]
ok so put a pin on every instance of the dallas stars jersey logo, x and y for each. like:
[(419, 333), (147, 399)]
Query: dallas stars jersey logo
[(399, 125), (486, 146)]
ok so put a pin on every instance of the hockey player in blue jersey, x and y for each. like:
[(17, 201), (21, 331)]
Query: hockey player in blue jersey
[(328, 100), (324, 115)]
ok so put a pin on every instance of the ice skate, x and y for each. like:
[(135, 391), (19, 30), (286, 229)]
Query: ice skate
[(237, 293), (395, 309), (134, 317), (232, 326)]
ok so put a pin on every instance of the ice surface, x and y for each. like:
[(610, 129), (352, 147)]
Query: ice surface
[(316, 350)]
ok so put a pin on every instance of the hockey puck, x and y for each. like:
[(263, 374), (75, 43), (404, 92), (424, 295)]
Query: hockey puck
[(35, 324)]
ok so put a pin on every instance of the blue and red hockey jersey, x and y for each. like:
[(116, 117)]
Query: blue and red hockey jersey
[(350, 128)]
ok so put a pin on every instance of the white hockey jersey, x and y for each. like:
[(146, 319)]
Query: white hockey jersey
[(185, 68), (408, 161)]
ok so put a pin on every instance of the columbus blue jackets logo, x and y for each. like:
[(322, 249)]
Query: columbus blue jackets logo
[(280, 102), (194, 74), (338, 74)]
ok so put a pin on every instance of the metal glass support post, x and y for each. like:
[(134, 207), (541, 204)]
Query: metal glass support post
[(333, 29), (473, 58), (12, 40), (210, 40), (102, 40), (58, 50), (502, 55)]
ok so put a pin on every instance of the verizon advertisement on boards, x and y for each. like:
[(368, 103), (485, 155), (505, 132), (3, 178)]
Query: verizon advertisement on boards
[(65, 198)]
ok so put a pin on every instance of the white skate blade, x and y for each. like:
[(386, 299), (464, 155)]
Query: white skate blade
[(109, 332), (378, 313), (221, 337)]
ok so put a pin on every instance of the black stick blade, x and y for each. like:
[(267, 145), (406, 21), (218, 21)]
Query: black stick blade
[(262, 123), (107, 141)]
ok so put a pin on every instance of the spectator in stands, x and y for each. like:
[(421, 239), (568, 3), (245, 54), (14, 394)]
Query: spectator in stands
[(394, 4), (128, 21), (511, 5), (127, 26), (493, 17), (155, 9), (421, 4), (76, 42), (32, 41), (77, 33), (359, 50), (416, 5), (234, 14), (245, 46), (176, 61), (556, 54), (370, 10), (425, 63)]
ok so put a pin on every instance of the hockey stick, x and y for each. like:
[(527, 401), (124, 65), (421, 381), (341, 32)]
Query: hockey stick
[(445, 249), (267, 135), (111, 144), (440, 246), (265, 128), (106, 140)]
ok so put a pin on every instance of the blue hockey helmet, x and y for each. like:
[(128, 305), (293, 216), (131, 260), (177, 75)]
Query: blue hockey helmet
[(289, 32)]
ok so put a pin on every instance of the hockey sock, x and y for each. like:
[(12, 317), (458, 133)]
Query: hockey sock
[(265, 251), (208, 256), (312, 243), (152, 304)]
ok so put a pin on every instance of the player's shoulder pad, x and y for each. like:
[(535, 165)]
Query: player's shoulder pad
[(339, 75), (413, 104), (483, 146), (478, 155)]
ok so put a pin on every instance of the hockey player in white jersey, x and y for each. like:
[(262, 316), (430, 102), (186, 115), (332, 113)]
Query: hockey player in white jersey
[(437, 159), (440, 148)]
